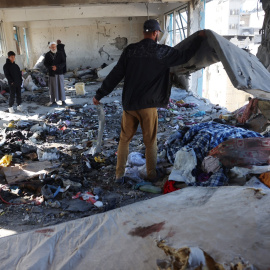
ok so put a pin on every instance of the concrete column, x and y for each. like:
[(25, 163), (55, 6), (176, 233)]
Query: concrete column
[(197, 22)]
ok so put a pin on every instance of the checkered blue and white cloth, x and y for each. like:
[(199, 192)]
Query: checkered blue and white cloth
[(202, 138)]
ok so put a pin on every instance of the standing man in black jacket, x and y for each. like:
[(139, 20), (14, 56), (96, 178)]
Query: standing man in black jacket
[(55, 62), (145, 66), (61, 48), (14, 76)]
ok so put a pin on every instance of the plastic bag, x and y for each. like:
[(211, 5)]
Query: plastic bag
[(5, 160), (29, 84), (185, 162), (136, 159)]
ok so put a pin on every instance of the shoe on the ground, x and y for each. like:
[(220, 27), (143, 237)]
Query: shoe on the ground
[(54, 104), (120, 181), (20, 108), (64, 103), (159, 175), (11, 110)]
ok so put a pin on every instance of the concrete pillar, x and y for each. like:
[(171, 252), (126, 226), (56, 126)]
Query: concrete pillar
[(197, 22)]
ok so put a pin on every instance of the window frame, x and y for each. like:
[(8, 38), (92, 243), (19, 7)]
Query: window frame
[(177, 26)]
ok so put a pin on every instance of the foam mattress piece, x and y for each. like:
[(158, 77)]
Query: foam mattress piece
[(244, 69), (225, 222)]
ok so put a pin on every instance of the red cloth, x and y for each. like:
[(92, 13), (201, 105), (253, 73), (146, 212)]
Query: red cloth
[(243, 152), (169, 187), (251, 108)]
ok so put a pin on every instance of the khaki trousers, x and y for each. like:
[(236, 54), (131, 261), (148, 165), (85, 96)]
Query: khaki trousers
[(148, 119)]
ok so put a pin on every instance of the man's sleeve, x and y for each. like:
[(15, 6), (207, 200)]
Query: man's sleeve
[(176, 57), (113, 79), (8, 75), (46, 64)]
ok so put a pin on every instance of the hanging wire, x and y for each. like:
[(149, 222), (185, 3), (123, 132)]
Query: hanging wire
[(147, 9)]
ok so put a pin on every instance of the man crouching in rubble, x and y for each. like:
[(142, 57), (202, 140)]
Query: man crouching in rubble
[(14, 76), (145, 66), (55, 62)]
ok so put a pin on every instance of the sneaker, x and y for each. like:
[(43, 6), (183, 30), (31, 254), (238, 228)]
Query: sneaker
[(54, 104), (20, 108), (64, 103), (159, 175), (120, 181), (11, 110)]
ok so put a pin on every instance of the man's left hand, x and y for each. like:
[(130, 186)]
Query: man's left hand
[(54, 68), (95, 101), (202, 33)]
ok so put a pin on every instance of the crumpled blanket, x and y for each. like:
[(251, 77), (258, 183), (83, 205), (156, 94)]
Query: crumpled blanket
[(202, 138)]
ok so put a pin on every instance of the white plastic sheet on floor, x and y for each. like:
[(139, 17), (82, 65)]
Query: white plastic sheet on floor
[(225, 222)]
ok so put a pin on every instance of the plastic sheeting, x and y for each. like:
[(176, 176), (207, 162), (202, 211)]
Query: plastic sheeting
[(244, 69), (225, 222)]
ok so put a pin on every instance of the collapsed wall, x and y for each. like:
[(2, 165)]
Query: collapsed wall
[(264, 49)]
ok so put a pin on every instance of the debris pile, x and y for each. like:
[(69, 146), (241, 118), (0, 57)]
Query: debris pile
[(58, 165)]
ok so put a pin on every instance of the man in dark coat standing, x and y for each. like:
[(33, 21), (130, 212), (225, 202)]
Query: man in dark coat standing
[(14, 76), (146, 67), (61, 48), (55, 62)]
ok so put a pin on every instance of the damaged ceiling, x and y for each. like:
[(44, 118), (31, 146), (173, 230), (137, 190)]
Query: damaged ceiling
[(33, 3)]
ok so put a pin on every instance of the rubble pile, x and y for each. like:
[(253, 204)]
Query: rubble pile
[(36, 81), (51, 171)]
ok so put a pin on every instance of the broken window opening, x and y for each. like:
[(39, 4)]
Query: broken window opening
[(17, 39), (177, 25), (26, 45), (2, 41)]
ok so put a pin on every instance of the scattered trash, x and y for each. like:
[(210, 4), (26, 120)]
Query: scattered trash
[(80, 89), (185, 162), (6, 160), (29, 84), (136, 159), (150, 189), (49, 191)]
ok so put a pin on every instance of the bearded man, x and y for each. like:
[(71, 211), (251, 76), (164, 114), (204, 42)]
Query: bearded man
[(55, 62)]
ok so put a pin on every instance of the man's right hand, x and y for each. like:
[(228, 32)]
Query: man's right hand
[(95, 101)]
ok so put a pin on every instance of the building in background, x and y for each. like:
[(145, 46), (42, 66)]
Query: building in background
[(240, 22)]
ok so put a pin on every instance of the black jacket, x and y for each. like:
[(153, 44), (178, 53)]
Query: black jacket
[(55, 59), (146, 68), (13, 73), (61, 48)]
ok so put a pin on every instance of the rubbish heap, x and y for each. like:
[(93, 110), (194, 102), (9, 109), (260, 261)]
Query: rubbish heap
[(55, 169), (36, 80)]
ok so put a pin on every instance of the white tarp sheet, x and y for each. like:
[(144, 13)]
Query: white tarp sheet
[(244, 69), (225, 222)]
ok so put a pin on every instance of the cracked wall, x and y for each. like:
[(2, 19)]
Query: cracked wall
[(89, 42)]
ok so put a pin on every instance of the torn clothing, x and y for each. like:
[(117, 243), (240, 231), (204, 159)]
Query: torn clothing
[(55, 59), (13, 73), (57, 88), (148, 119), (146, 67)]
